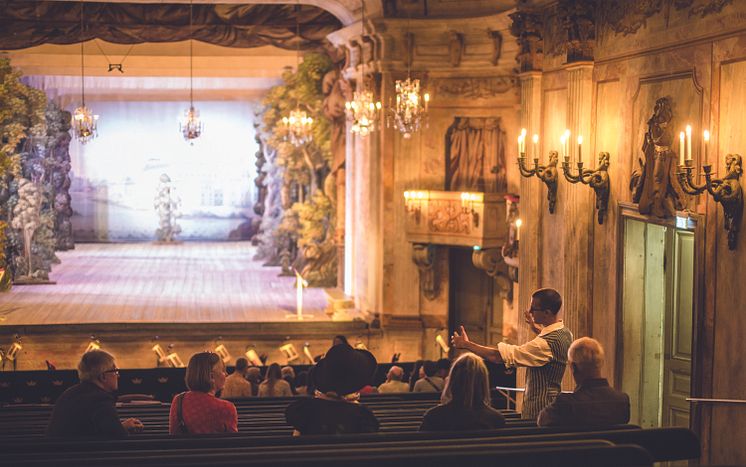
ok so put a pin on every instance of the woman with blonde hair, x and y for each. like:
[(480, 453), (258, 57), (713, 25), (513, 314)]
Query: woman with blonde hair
[(198, 411), (273, 384), (465, 402)]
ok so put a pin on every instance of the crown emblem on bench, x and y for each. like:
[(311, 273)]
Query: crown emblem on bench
[(163, 380), (46, 399), (136, 380), (4, 385), (18, 400), (57, 382), (31, 383)]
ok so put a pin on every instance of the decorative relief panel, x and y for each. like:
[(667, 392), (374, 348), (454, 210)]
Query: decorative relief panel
[(528, 30), (628, 16), (473, 88)]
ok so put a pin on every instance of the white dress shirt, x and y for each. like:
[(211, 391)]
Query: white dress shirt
[(533, 353)]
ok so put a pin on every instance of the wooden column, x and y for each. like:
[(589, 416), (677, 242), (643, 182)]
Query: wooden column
[(578, 209)]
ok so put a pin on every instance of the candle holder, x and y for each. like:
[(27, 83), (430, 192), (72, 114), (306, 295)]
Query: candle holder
[(597, 179), (726, 191), (546, 173)]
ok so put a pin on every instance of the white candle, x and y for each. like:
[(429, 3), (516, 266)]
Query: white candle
[(562, 144), (707, 143), (519, 145), (580, 148), (681, 148), (689, 142), (518, 224), (567, 142)]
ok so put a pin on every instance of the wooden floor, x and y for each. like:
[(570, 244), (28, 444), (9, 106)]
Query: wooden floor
[(199, 282)]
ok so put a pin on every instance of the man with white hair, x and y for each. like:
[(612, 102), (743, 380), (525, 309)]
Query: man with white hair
[(89, 409), (394, 381), (594, 402)]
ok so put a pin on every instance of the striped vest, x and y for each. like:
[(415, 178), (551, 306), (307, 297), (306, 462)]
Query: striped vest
[(543, 383)]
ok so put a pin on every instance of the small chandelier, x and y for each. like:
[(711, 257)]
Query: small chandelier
[(410, 107), (84, 121), (363, 110), (190, 126), (298, 127)]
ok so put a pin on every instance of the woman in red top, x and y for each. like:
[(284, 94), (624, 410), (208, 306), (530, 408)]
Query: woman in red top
[(201, 412)]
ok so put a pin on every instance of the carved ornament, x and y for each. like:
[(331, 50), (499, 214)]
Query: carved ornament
[(577, 35), (473, 88), (527, 29), (627, 16), (702, 8), (455, 47), (497, 45), (449, 218), (424, 256)]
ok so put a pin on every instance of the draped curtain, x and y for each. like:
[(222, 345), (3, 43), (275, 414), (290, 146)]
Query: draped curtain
[(30, 23), (475, 155)]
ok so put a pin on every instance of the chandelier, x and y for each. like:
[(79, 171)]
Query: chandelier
[(298, 126), (84, 121), (190, 126), (363, 110), (410, 107)]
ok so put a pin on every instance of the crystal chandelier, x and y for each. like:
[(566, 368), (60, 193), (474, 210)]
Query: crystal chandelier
[(84, 121), (410, 107), (190, 126), (298, 126), (363, 110)]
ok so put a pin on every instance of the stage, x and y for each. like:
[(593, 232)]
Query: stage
[(192, 295)]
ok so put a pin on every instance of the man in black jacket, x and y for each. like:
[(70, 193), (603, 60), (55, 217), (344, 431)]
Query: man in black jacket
[(594, 402), (88, 409)]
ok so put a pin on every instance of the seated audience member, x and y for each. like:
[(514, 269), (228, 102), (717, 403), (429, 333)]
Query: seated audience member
[(394, 381), (288, 374), (465, 403), (442, 367), (273, 384), (594, 402), (428, 382), (236, 385), (89, 408), (301, 383), (198, 411), (339, 339), (254, 376), (335, 408)]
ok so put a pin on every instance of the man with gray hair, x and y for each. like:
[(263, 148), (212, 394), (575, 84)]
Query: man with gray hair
[(394, 381), (89, 409), (594, 402)]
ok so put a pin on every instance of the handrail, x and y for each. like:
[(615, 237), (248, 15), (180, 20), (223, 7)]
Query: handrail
[(717, 401)]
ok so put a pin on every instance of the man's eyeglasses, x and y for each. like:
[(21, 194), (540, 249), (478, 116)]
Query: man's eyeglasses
[(115, 371)]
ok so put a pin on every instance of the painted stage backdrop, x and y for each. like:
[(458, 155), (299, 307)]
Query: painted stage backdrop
[(116, 177)]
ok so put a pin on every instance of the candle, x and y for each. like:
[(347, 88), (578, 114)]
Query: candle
[(523, 140), (707, 143), (519, 145), (689, 142), (580, 149), (536, 142), (562, 144), (567, 143), (518, 224), (681, 148)]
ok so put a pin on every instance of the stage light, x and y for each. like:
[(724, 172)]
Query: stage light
[(223, 353), (15, 347), (307, 352), (289, 351), (159, 352), (253, 357), (443, 345), (174, 360), (93, 344)]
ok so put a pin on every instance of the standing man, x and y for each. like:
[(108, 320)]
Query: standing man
[(89, 409), (544, 357)]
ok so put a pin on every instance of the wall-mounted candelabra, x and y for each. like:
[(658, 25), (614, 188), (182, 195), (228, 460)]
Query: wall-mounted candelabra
[(413, 201), (726, 191), (597, 179), (467, 205), (545, 173)]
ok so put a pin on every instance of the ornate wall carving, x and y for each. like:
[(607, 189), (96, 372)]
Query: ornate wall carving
[(473, 88), (577, 33), (527, 28), (628, 16)]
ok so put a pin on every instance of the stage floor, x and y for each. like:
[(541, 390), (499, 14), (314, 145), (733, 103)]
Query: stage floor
[(193, 282)]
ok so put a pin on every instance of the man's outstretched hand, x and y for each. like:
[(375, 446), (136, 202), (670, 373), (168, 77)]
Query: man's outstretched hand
[(460, 341)]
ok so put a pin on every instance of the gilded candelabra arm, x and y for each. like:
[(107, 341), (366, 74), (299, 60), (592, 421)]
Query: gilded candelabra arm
[(728, 192), (569, 176), (686, 179), (597, 179), (548, 175), (526, 172)]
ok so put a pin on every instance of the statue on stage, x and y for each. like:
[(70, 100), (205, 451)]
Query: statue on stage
[(167, 204)]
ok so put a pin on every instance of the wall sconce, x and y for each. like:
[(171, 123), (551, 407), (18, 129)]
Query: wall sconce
[(253, 357), (289, 351), (727, 190), (597, 179), (467, 205), (222, 351), (413, 201), (94, 344), (545, 173)]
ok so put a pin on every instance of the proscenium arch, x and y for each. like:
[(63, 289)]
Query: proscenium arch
[(347, 11)]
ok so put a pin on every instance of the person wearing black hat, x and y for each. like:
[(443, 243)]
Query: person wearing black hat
[(335, 407)]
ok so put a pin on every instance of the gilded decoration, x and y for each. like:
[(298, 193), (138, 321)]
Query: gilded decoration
[(473, 88), (527, 29), (577, 34), (448, 217), (628, 16)]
